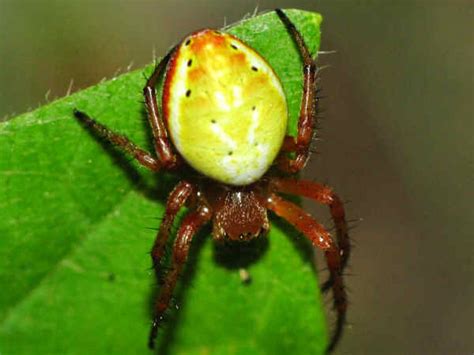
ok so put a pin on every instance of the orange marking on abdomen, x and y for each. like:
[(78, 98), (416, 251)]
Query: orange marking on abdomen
[(196, 74), (239, 59), (206, 39)]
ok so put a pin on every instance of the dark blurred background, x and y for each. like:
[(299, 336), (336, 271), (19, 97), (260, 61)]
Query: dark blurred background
[(396, 138)]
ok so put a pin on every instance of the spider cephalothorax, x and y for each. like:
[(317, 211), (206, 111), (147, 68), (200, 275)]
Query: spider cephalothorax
[(224, 116), (239, 213)]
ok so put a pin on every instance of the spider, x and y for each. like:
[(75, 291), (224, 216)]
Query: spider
[(247, 159)]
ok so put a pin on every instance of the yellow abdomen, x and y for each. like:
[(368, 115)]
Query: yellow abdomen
[(225, 108)]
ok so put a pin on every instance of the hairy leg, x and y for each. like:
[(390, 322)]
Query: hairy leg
[(300, 144), (162, 142), (320, 238), (325, 195), (176, 199), (142, 156), (167, 159), (190, 226)]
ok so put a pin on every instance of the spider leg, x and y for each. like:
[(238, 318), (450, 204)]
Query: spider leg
[(190, 226), (163, 145), (176, 199), (325, 195), (142, 156), (299, 145), (320, 238), (166, 157)]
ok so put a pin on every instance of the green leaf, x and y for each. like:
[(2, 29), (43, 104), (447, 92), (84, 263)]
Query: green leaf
[(74, 215)]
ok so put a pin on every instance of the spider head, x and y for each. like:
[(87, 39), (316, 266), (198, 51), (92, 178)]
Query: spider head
[(239, 214)]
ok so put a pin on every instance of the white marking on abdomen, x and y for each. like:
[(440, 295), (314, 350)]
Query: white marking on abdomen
[(221, 101), (253, 127), (237, 93), (223, 136)]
